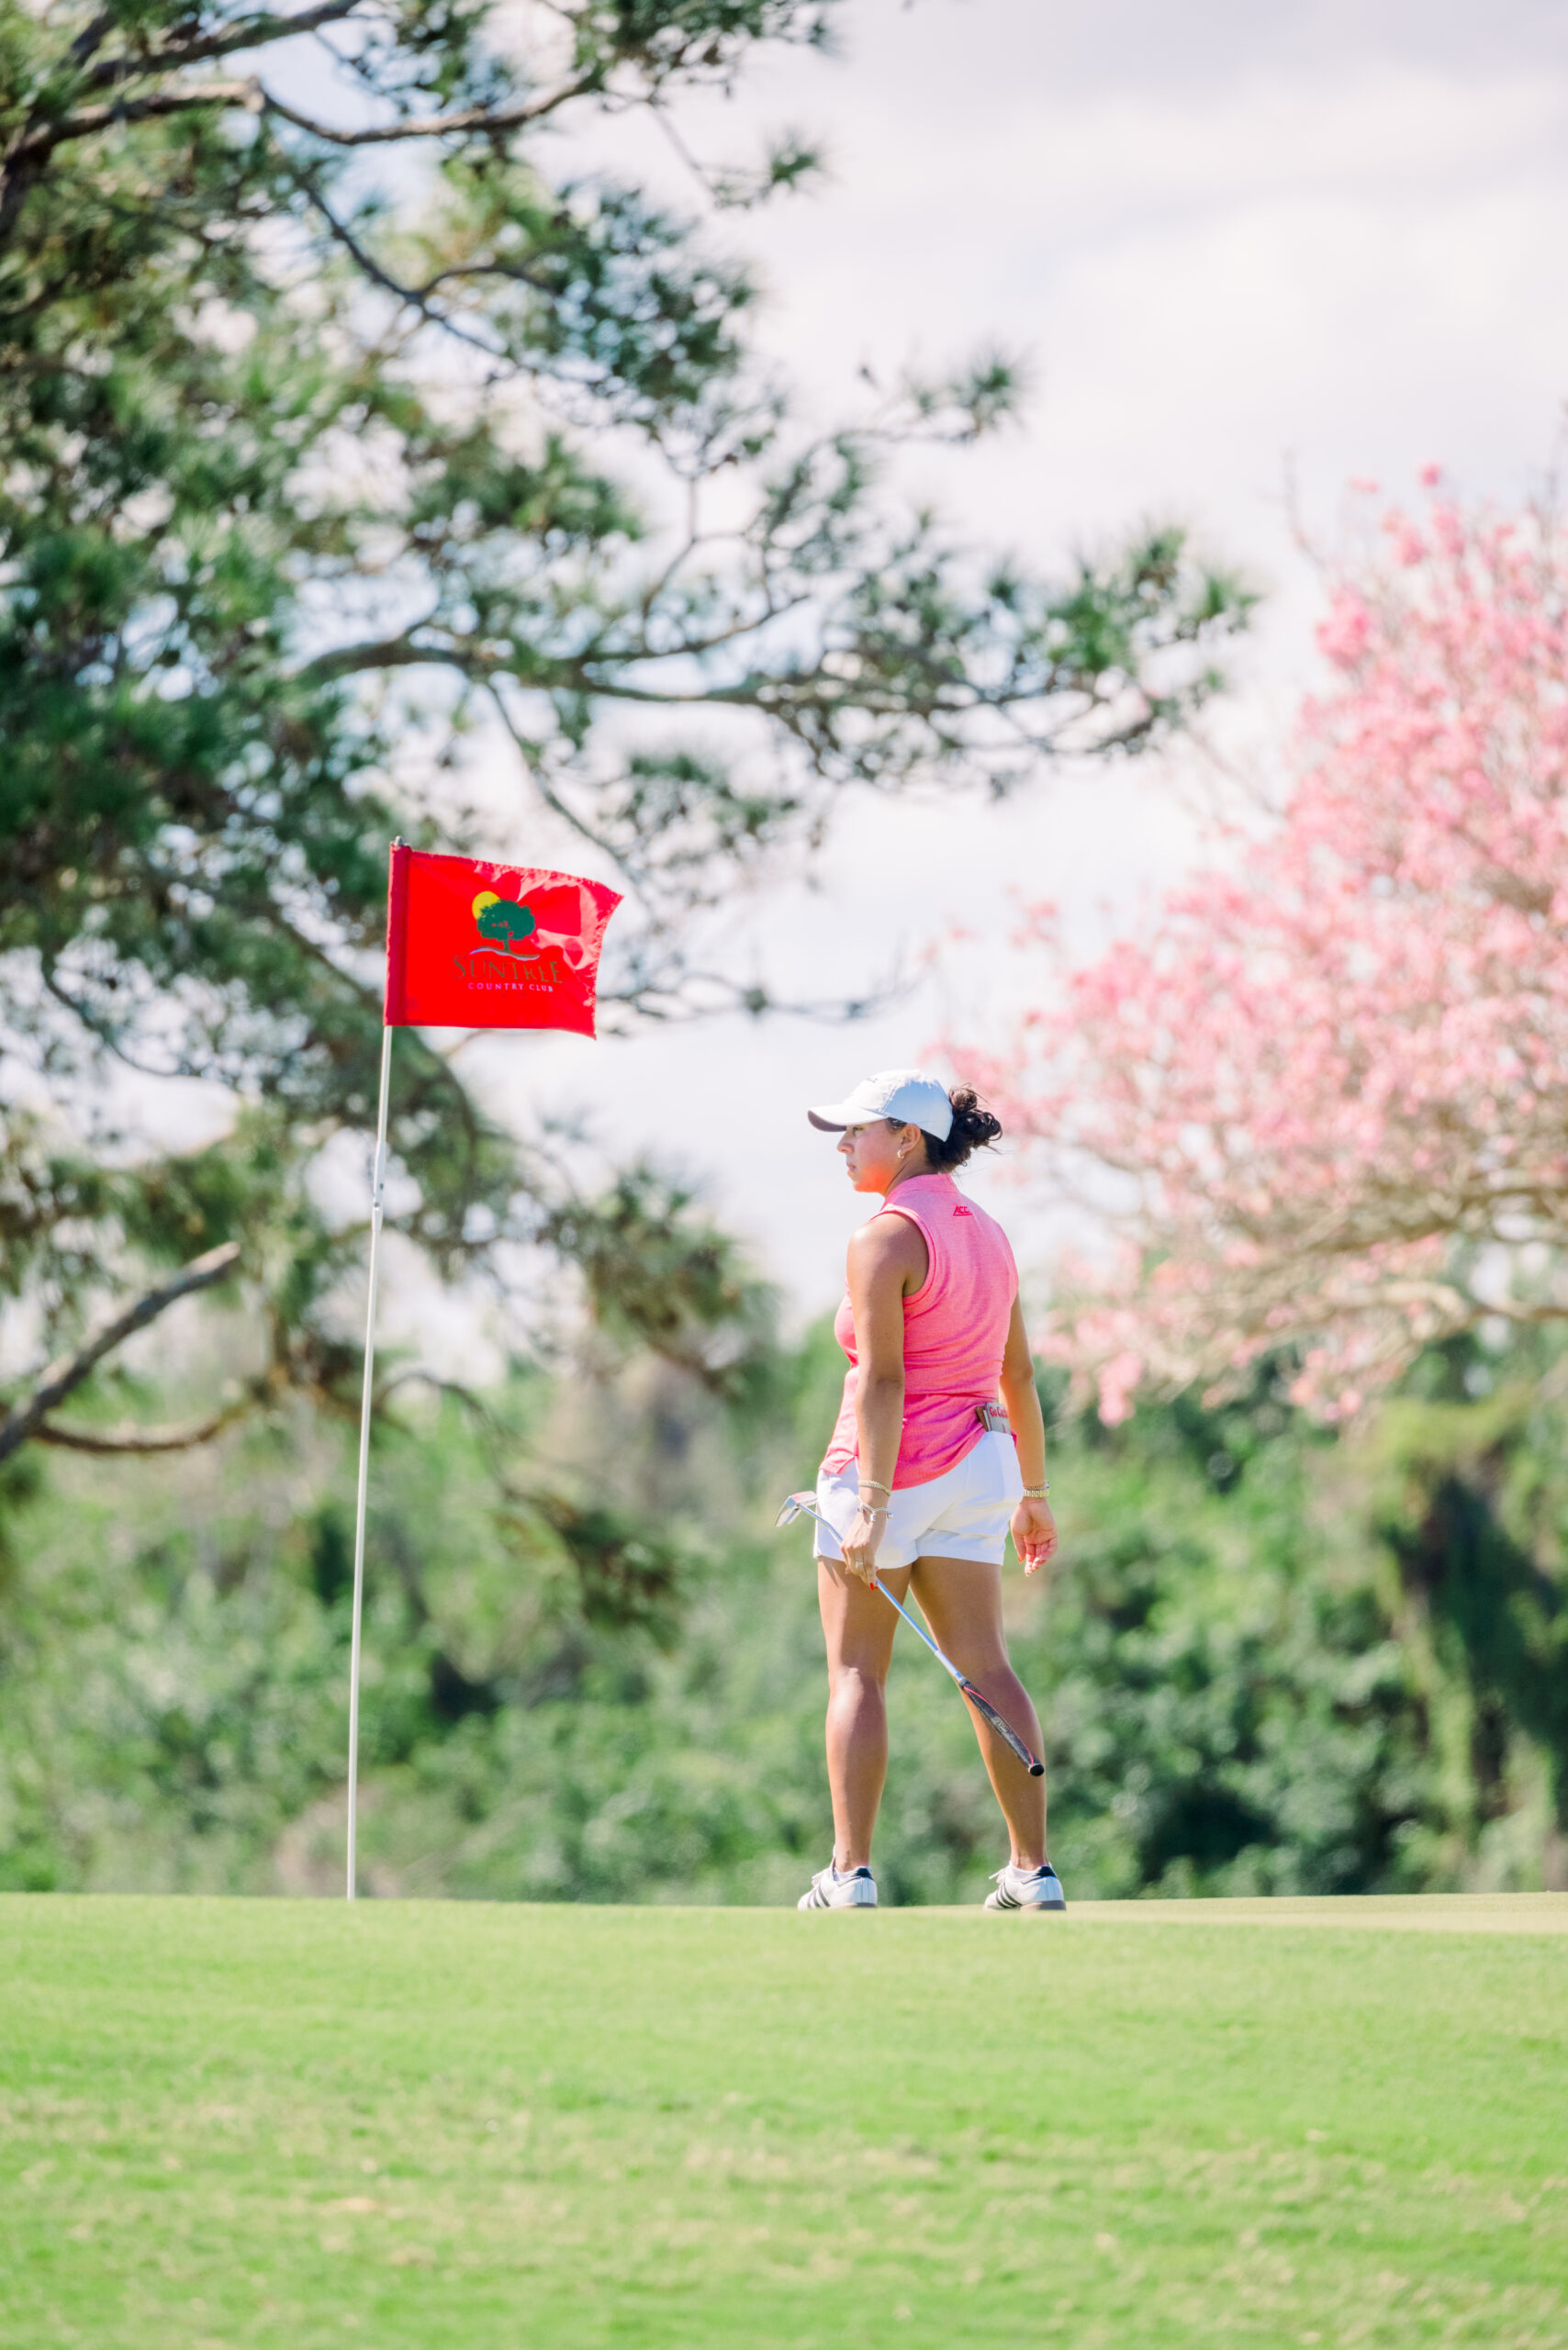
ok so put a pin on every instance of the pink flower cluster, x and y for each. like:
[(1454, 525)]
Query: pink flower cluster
[(1337, 1072)]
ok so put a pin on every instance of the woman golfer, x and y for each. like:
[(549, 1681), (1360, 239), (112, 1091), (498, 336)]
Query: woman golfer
[(939, 1447)]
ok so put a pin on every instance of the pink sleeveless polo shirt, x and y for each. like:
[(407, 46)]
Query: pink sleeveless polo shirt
[(954, 1333)]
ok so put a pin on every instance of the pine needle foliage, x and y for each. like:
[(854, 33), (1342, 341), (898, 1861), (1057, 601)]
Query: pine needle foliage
[(339, 415)]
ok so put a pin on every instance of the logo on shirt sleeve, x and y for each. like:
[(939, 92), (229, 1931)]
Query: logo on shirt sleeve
[(963, 1211)]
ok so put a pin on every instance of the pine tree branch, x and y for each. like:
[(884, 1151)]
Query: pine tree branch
[(252, 32), (26, 1419), (486, 119), (250, 94), (36, 145), (171, 1436), (414, 297)]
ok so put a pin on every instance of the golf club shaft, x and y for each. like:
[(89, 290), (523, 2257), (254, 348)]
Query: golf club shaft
[(1005, 1729)]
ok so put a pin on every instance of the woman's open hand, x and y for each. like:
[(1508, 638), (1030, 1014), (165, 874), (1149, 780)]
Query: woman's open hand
[(861, 1543), (1034, 1534)]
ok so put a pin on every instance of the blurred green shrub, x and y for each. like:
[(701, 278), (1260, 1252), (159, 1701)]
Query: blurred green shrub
[(1272, 1660)]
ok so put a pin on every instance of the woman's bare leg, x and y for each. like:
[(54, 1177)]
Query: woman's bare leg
[(859, 1627), (961, 1600)]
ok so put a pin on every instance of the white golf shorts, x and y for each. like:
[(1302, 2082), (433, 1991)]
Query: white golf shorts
[(964, 1515)]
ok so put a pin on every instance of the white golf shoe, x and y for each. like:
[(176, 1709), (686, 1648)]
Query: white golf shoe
[(1027, 1889), (855, 1889)]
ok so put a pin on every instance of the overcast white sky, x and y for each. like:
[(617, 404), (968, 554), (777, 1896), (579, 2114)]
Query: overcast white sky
[(1230, 236)]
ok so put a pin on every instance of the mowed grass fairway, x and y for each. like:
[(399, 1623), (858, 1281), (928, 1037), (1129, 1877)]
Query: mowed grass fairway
[(294, 2124)]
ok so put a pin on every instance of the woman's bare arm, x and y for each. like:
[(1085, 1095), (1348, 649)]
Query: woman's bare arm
[(888, 1262), (1022, 1399), (1034, 1528)]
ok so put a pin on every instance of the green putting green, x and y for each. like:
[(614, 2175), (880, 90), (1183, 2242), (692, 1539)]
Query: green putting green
[(409, 2126)]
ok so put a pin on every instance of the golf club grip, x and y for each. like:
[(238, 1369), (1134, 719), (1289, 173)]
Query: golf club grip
[(1035, 1769)]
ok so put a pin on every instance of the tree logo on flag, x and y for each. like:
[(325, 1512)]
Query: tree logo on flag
[(503, 920)]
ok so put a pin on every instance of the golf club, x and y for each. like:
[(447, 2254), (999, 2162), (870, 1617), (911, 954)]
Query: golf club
[(802, 1505)]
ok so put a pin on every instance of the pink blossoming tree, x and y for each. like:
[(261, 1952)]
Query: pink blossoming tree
[(1335, 1075)]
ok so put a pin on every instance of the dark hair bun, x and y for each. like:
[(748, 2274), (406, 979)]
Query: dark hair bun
[(973, 1129)]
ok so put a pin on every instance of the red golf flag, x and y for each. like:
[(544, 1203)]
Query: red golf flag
[(471, 945)]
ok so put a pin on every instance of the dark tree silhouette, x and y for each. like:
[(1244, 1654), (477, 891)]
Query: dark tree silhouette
[(508, 922)]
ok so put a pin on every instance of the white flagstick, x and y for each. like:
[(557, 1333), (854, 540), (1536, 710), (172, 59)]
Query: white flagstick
[(377, 1184)]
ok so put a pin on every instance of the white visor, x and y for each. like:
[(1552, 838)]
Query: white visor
[(906, 1096)]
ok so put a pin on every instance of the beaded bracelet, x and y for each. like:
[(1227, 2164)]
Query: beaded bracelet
[(1035, 1493)]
